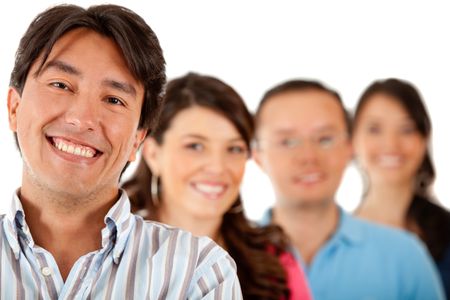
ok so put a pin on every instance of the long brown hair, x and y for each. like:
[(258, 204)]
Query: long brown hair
[(260, 272), (432, 219)]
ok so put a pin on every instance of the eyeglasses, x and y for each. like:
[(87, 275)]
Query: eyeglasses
[(320, 142)]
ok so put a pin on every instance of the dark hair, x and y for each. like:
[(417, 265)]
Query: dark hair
[(137, 41), (298, 85), (260, 273), (433, 220)]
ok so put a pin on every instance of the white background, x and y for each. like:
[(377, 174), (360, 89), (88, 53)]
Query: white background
[(253, 45)]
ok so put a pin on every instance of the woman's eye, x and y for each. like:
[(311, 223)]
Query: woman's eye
[(374, 129), (408, 129), (237, 149), (195, 146)]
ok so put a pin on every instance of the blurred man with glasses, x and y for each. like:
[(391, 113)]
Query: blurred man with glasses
[(302, 144)]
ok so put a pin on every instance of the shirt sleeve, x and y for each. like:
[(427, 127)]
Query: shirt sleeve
[(426, 282), (216, 278)]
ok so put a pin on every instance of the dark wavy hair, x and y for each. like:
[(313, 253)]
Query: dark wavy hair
[(260, 272), (301, 85), (432, 218), (137, 41)]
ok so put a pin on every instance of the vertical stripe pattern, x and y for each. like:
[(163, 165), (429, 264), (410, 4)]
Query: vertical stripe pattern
[(138, 260)]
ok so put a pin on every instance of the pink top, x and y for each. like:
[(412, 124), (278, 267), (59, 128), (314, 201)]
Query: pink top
[(296, 279)]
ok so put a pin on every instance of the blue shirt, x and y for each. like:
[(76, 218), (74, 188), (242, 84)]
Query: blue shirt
[(444, 270), (138, 260), (363, 260)]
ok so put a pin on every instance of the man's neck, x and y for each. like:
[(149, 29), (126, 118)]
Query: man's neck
[(67, 232), (308, 227)]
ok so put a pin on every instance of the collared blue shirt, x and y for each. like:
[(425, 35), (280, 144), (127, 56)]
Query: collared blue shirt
[(367, 261), (138, 260)]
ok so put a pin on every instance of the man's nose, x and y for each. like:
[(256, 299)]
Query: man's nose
[(306, 153), (83, 114)]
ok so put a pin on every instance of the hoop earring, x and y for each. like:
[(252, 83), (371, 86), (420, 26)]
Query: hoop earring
[(154, 190), (236, 209)]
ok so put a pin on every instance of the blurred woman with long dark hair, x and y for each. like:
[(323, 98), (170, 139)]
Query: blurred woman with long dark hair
[(391, 136), (190, 176)]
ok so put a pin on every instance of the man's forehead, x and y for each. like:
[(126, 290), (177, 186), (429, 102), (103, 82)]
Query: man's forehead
[(290, 111), (63, 58), (301, 99)]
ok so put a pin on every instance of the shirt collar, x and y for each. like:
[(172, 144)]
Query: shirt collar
[(347, 231), (267, 217), (118, 221), (15, 225)]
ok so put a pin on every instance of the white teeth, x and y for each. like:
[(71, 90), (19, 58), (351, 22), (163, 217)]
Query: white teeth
[(210, 189), (75, 150), (70, 149), (310, 177), (389, 160)]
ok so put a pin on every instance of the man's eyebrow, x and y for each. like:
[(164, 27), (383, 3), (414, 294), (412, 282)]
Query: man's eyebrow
[(284, 131), (194, 135), (62, 66), (69, 69), (120, 86)]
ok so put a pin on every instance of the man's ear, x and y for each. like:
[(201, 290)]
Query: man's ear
[(13, 105), (256, 155), (151, 152), (139, 137)]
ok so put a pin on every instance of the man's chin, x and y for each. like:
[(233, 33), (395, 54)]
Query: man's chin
[(312, 202)]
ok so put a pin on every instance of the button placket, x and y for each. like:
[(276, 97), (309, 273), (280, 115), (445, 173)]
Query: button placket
[(46, 271)]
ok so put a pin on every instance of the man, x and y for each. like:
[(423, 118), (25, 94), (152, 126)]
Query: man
[(85, 89), (303, 146)]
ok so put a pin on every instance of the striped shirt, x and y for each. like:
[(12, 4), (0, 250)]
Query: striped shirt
[(138, 260)]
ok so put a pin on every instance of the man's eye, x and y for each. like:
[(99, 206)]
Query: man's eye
[(289, 142), (326, 141), (115, 101), (60, 85)]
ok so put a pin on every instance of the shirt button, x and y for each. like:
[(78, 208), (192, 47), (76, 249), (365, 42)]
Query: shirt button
[(46, 271)]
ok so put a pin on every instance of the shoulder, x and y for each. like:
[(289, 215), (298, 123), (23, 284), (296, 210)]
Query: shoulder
[(198, 260), (202, 250), (398, 255), (390, 243), (399, 249), (375, 233)]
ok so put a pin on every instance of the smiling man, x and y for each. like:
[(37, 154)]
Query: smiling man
[(303, 145), (85, 89)]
